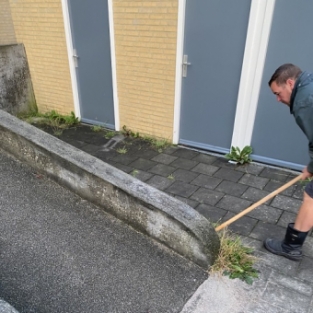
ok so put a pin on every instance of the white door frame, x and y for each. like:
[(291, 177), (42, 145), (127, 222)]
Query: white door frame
[(259, 26), (179, 62), (70, 53)]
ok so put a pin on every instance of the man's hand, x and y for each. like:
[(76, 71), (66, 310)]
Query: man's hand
[(306, 174)]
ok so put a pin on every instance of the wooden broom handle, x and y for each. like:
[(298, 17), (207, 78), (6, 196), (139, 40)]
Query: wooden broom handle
[(253, 206)]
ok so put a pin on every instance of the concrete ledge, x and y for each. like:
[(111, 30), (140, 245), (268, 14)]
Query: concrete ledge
[(148, 210)]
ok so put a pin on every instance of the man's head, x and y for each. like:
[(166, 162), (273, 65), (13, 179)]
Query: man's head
[(283, 80)]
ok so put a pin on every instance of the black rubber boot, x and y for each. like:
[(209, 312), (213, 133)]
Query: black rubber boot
[(290, 247)]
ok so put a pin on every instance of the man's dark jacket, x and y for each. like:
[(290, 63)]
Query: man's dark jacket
[(301, 106)]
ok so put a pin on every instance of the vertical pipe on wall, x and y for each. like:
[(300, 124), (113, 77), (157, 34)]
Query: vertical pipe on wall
[(259, 26)]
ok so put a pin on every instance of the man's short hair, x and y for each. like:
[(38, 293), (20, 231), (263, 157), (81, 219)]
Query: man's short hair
[(285, 72)]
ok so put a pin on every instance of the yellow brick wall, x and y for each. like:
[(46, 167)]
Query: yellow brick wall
[(145, 43), (7, 33), (39, 26)]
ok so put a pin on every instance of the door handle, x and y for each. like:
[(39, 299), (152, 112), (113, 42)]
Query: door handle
[(75, 57), (185, 64)]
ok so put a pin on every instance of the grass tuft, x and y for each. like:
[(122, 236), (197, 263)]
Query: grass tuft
[(234, 259)]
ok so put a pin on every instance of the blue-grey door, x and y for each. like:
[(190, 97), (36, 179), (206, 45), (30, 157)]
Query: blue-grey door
[(91, 41), (215, 36), (276, 138)]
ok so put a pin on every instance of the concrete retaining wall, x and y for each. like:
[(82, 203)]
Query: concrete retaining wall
[(16, 91), (145, 208)]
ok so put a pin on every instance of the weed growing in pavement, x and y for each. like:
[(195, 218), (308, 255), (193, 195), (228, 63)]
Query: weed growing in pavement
[(96, 128), (234, 259), (109, 134), (128, 133), (240, 156), (122, 150), (51, 118), (134, 173), (171, 177), (156, 143)]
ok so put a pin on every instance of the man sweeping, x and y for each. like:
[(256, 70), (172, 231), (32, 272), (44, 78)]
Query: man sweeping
[(294, 88)]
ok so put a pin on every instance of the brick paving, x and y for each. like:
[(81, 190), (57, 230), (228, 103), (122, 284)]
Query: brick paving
[(218, 190)]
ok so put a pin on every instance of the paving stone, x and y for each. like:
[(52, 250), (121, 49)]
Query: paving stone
[(206, 181), (253, 169), (205, 158), (305, 269), (125, 159), (205, 169), (141, 175), (299, 190), (255, 194), (252, 243), (184, 175), (233, 204), (162, 170), (185, 153), (254, 181), (211, 213), (184, 163), (242, 226), (273, 185), (231, 188), (279, 263), (262, 306), (264, 273), (292, 283), (265, 230), (182, 189), (122, 167), (281, 296), (145, 154), (164, 158), (142, 164), (286, 218), (170, 150), (188, 201), (286, 203), (159, 182), (266, 214), (228, 174), (207, 196), (90, 148), (275, 174), (222, 162), (105, 156)]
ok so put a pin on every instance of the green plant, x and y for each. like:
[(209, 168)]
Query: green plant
[(158, 144), (51, 118), (122, 150), (234, 259), (129, 133), (96, 128), (240, 156), (109, 135), (171, 177), (134, 173)]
